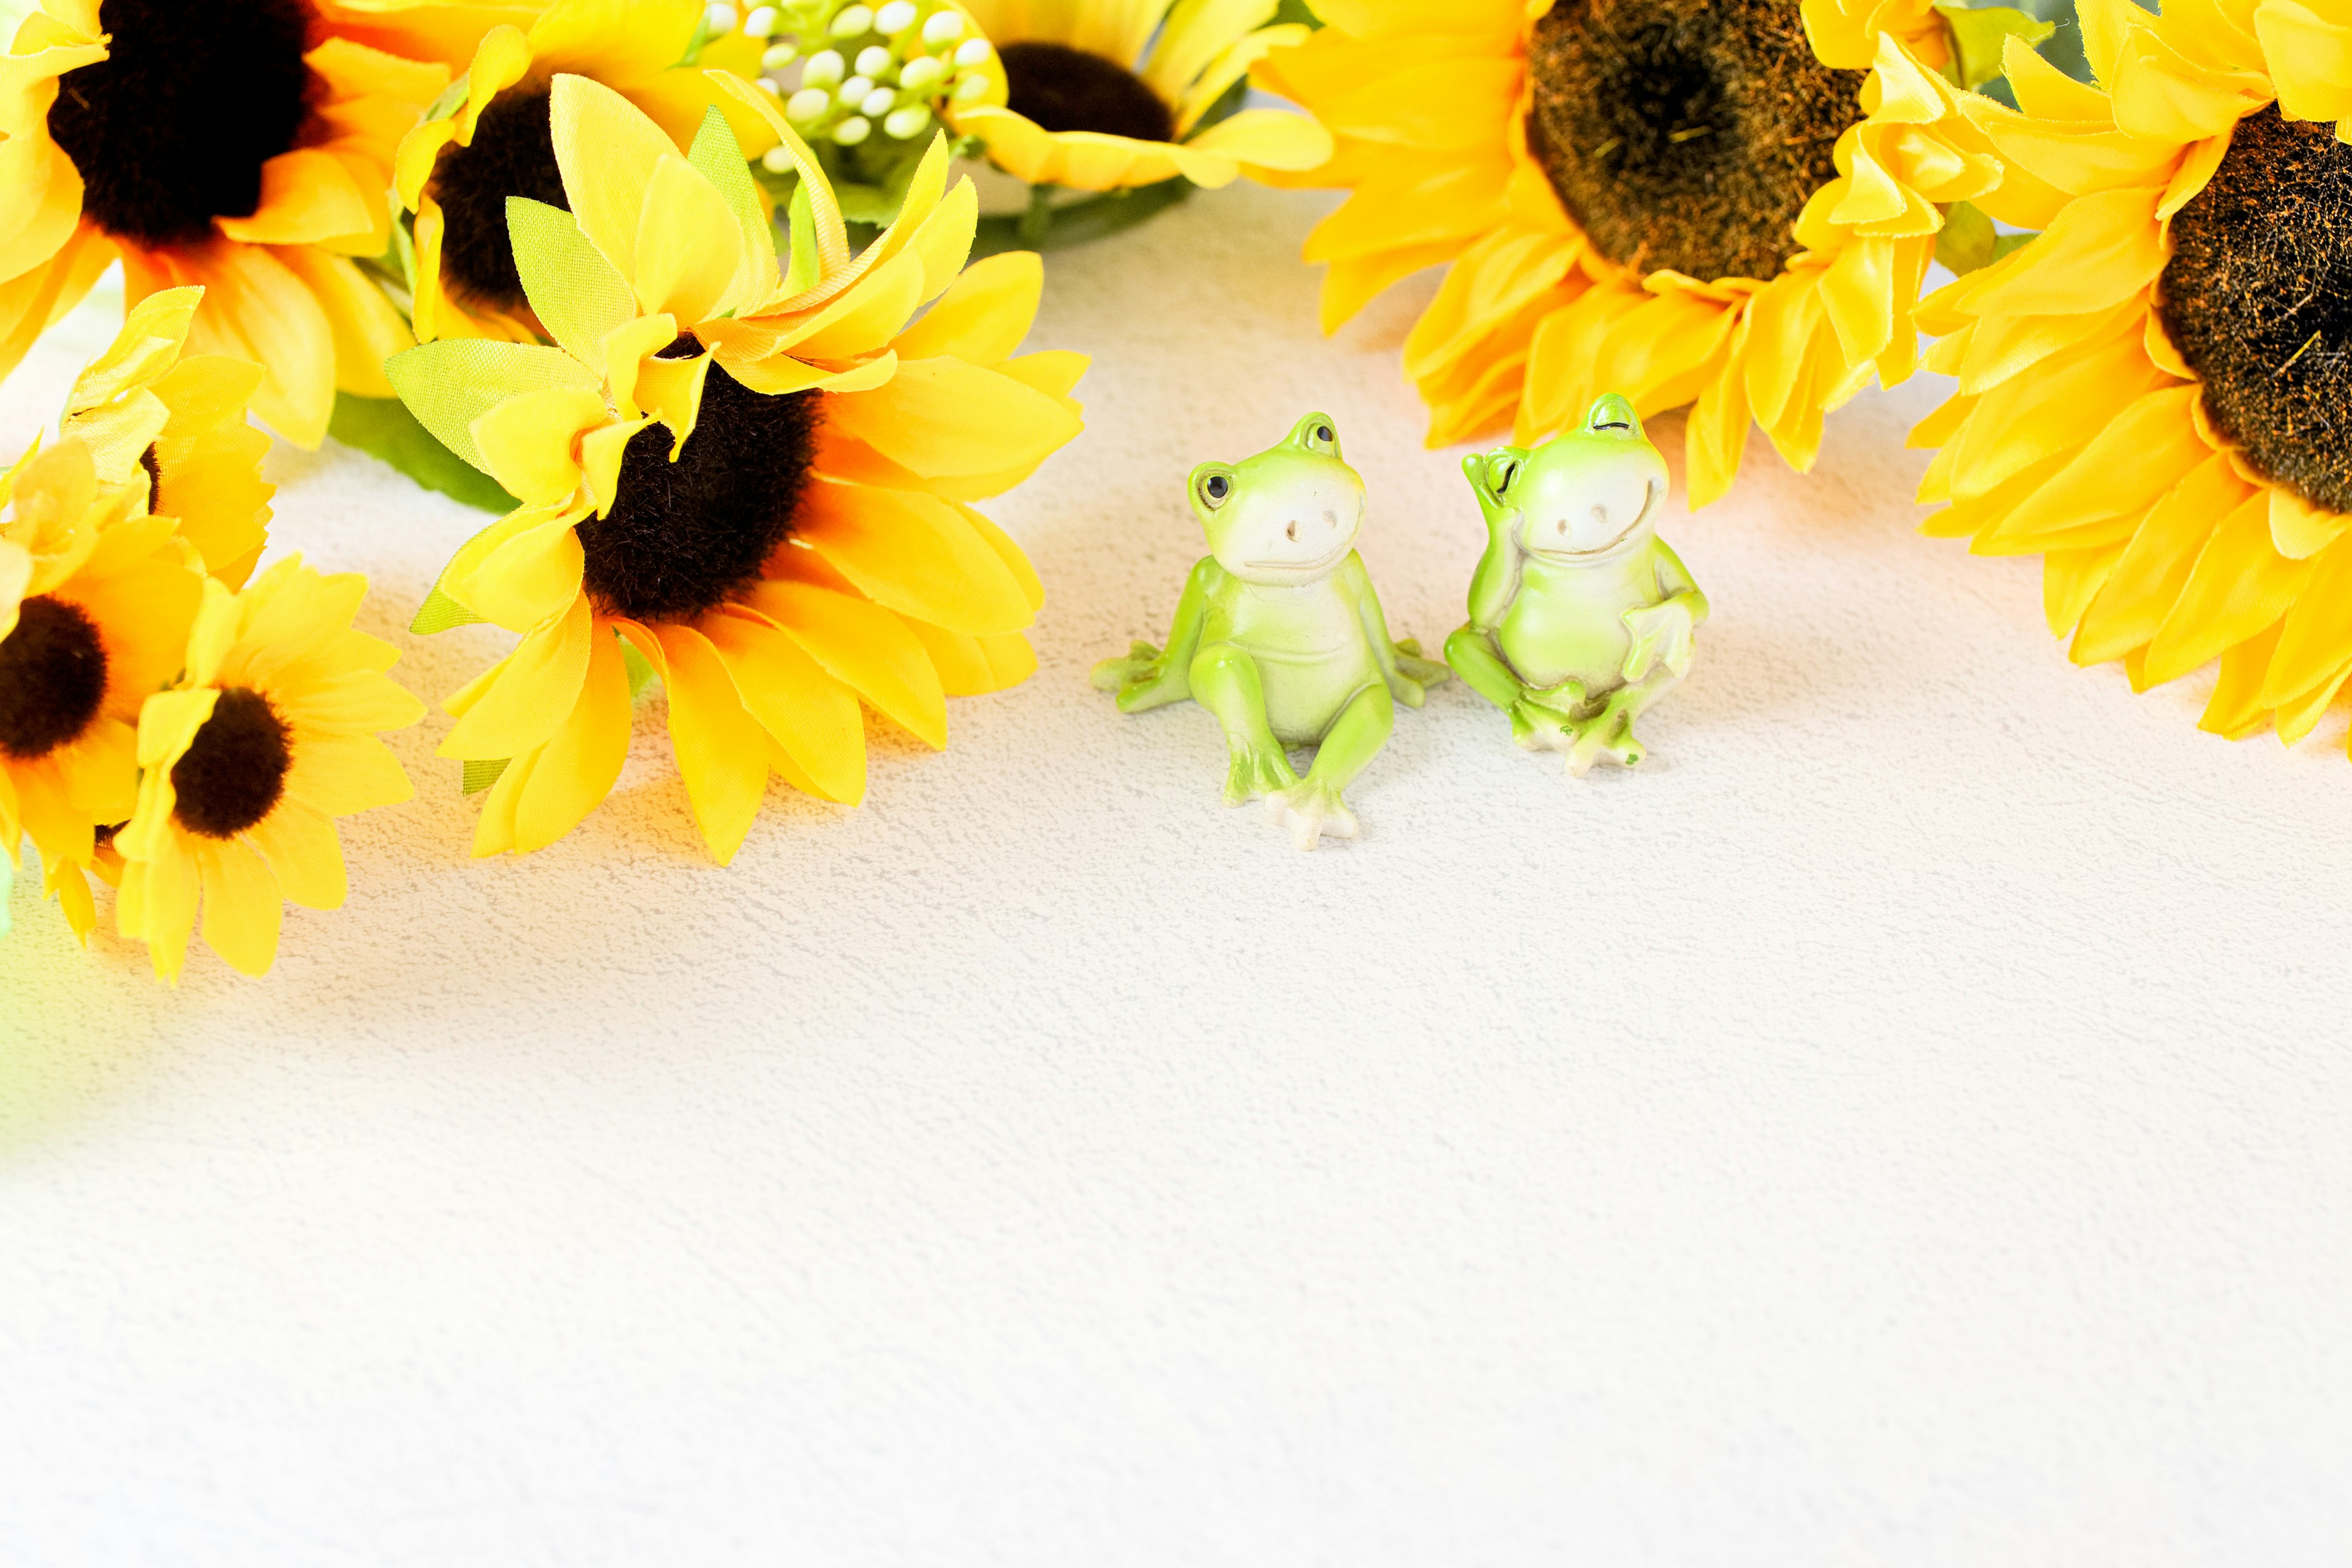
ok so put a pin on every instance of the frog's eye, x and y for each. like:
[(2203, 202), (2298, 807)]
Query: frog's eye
[(1216, 488), (1323, 434), (1504, 473)]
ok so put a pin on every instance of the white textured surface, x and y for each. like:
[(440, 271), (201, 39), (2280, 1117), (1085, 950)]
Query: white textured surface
[(1905, 1122)]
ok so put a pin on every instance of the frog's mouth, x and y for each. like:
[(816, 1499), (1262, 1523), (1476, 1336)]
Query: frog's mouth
[(1651, 493), (1308, 568)]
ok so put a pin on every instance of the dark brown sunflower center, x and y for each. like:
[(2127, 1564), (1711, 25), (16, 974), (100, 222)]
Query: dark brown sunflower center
[(683, 536), (1063, 88), (232, 774), (2258, 300), (512, 155), (171, 130), (52, 677), (1685, 133)]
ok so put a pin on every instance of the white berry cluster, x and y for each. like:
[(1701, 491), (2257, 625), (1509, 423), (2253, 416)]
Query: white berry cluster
[(865, 68)]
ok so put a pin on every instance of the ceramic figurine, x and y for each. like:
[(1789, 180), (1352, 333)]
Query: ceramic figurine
[(1279, 634), (1580, 616)]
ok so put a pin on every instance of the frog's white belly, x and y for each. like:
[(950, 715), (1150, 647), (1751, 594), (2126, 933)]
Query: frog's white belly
[(1312, 655)]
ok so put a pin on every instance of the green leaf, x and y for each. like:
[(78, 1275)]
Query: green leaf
[(1978, 33), (579, 295), (449, 383), (440, 613), (1968, 241), (720, 160), (1297, 11), (481, 775), (800, 271), (383, 428), (641, 668), (1048, 228)]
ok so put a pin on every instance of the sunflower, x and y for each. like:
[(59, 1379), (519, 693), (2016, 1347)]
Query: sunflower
[(269, 736), (1729, 203), (243, 145), (1104, 95), (95, 604), (2152, 390), (173, 428), (756, 482), (488, 140)]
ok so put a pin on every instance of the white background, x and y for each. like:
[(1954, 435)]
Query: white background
[(1905, 1122)]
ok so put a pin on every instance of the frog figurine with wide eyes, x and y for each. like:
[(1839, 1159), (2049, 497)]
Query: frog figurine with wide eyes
[(1279, 634), (1580, 616)]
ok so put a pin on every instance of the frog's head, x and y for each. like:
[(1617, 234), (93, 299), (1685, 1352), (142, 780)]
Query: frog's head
[(1287, 516), (1589, 494)]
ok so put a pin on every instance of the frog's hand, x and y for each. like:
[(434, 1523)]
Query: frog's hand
[(1413, 668), (1141, 663), (1661, 635)]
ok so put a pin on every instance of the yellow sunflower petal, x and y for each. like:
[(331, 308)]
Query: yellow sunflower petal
[(813, 717), (914, 552), (687, 244), (2310, 58), (2316, 640), (2298, 529), (528, 443), (520, 701), (722, 752), (984, 313), (577, 768), (2239, 586), (305, 855), (243, 911), (609, 153), (940, 417), (2130, 607), (158, 906), (865, 646)]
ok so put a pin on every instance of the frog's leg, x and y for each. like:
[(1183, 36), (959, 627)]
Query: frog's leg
[(1225, 680), (1611, 730), (1313, 806), (1472, 654)]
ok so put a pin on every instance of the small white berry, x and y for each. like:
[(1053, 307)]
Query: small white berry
[(719, 19), (921, 75), (944, 28), (972, 52), (825, 68), (853, 22), (874, 60), (852, 91), (971, 88), (909, 121), (776, 160), (877, 103), (852, 131), (807, 106), (761, 23), (778, 57), (895, 18)]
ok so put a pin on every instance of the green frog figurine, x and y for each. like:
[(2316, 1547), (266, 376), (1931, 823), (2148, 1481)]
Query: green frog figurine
[(1279, 634), (1580, 616)]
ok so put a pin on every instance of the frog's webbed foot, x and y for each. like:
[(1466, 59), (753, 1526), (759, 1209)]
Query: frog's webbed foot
[(1311, 809), (1609, 733), (1142, 664), (1257, 774)]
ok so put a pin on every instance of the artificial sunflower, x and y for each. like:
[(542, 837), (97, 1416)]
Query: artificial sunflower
[(1104, 95), (1726, 202), (488, 140), (95, 604), (2152, 391), (245, 145), (172, 428), (266, 738), (757, 480)]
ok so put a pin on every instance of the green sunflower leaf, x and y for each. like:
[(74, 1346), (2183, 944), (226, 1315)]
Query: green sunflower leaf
[(800, 266), (384, 429), (642, 673), (481, 775), (1968, 241), (453, 381), (1978, 36), (720, 161), (579, 295), (440, 613)]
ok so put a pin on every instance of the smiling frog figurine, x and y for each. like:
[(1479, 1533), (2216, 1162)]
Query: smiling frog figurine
[(1580, 616), (1279, 634)]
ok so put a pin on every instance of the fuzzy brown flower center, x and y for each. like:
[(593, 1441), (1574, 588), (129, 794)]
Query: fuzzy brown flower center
[(52, 677), (512, 155), (683, 537), (233, 773), (1685, 134), (2258, 300), (1063, 88), (171, 130)]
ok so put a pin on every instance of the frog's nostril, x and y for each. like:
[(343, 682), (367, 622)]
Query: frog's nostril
[(1291, 531), (1331, 517)]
